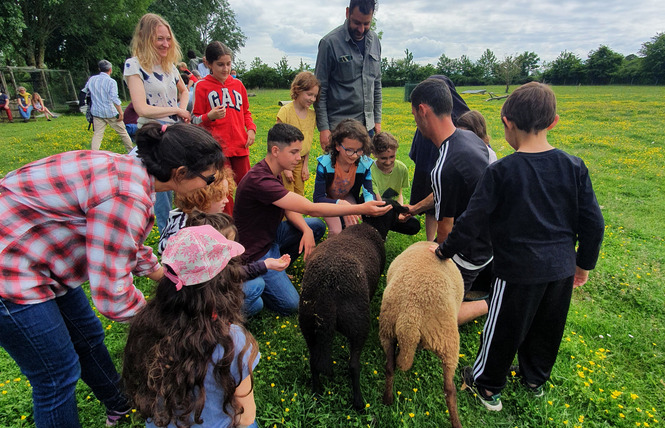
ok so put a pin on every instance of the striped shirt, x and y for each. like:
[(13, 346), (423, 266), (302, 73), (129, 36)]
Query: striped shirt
[(103, 92), (463, 158), (75, 217)]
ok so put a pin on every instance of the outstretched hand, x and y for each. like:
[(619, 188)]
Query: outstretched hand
[(375, 208), (278, 264)]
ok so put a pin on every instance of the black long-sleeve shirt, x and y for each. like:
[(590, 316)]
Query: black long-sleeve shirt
[(538, 207)]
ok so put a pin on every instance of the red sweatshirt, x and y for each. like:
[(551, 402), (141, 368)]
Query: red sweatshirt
[(231, 130)]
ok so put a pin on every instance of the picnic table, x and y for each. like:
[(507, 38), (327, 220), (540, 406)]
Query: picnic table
[(475, 91)]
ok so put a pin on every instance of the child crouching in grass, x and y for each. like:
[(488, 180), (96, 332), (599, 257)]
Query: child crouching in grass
[(188, 359), (253, 286), (540, 206), (390, 176), (210, 199)]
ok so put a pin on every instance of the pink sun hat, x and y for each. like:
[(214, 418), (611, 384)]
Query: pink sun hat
[(197, 254)]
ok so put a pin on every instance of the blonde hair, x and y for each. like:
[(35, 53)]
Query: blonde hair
[(143, 48), (203, 198), (36, 97), (304, 81)]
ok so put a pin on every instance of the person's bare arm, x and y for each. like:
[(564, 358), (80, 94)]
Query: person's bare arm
[(244, 397), (422, 206), (137, 93), (443, 229), (294, 202)]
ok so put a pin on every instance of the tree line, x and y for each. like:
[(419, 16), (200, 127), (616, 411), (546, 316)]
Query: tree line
[(75, 34), (601, 67)]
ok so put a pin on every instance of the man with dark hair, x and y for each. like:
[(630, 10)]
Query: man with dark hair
[(348, 66), (106, 108), (262, 202), (463, 158), (4, 104)]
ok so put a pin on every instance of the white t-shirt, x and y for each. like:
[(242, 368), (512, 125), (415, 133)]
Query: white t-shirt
[(161, 89)]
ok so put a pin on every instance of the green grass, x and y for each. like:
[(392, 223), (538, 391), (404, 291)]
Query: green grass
[(611, 365)]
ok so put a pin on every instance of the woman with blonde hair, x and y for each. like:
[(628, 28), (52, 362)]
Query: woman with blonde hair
[(157, 91)]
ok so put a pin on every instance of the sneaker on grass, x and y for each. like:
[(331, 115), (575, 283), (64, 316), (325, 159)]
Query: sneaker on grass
[(537, 391), (491, 402), (114, 416)]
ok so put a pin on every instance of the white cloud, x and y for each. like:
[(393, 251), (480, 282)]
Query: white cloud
[(428, 28)]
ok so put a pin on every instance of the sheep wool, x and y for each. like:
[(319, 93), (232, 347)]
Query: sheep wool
[(341, 276), (420, 305)]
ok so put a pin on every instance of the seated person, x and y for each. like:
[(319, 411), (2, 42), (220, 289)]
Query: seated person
[(39, 105), (262, 202), (390, 176), (343, 174), (24, 103), (253, 285), (4, 104)]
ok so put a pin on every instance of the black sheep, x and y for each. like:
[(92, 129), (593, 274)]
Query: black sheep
[(340, 279)]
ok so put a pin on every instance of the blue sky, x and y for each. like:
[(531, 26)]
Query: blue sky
[(428, 28)]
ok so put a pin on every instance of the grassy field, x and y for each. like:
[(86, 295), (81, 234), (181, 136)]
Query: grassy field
[(611, 365)]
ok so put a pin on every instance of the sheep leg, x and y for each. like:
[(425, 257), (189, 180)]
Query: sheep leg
[(390, 348), (450, 391), (319, 342), (354, 370), (449, 362)]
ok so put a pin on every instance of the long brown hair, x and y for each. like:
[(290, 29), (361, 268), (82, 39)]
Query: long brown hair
[(171, 342)]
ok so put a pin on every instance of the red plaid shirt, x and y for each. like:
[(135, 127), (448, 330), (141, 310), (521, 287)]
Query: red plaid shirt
[(75, 217)]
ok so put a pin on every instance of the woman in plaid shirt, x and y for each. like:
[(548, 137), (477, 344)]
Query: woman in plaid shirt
[(83, 216)]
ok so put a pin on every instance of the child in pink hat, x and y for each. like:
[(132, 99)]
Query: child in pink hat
[(187, 352)]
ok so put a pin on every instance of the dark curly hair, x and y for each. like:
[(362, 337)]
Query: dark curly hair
[(170, 344), (352, 129), (181, 144)]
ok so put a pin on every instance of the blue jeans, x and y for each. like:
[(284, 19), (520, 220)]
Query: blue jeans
[(279, 293), (163, 205), (25, 114), (253, 290), (54, 343)]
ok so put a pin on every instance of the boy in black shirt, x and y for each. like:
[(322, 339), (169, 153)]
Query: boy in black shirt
[(539, 203)]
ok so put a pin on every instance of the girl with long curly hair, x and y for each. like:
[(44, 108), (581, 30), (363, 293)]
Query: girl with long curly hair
[(188, 360)]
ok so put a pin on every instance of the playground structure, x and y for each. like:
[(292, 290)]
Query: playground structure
[(55, 86)]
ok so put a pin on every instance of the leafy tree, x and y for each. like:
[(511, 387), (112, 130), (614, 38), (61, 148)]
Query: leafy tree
[(196, 23), (630, 70), (528, 64), (11, 22), (303, 66), (508, 70), (286, 74), (239, 66), (567, 68), (603, 64), (40, 19), (101, 31), (653, 63), (486, 65), (470, 73), (261, 75), (449, 67)]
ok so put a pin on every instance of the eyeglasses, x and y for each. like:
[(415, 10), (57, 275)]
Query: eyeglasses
[(209, 179), (350, 152)]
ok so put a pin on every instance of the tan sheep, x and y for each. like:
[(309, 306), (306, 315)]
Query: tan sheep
[(420, 305)]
